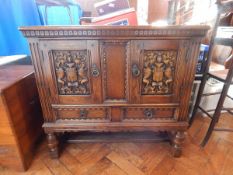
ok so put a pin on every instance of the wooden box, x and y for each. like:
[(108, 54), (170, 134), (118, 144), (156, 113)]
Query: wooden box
[(20, 116)]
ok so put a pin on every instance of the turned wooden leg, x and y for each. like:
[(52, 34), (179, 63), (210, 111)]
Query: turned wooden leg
[(177, 144), (53, 145)]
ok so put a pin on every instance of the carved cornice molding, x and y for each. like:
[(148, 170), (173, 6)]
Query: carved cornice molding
[(79, 31)]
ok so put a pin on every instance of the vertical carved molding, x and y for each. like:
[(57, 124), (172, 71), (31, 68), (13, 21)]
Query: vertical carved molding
[(158, 71), (37, 59), (104, 67), (187, 82), (180, 68), (127, 53), (177, 143), (52, 145)]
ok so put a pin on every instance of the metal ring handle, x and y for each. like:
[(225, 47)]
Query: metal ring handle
[(83, 114), (95, 71), (135, 70), (148, 113)]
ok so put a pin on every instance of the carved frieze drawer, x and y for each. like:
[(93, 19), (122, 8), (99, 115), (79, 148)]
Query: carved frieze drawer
[(82, 113), (143, 113)]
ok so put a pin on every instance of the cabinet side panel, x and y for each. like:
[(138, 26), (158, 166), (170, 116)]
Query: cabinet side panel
[(25, 111), (191, 61), (6, 134), (9, 151)]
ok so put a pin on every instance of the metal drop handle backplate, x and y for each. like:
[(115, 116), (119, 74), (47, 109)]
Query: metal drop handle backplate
[(83, 114), (95, 71), (148, 113), (135, 70)]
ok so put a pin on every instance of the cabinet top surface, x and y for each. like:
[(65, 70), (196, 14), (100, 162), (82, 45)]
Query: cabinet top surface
[(10, 74), (114, 31)]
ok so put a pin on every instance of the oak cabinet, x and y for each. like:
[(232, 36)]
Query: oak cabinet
[(115, 78)]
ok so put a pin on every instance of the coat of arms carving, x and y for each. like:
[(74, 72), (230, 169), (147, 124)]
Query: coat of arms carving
[(158, 71)]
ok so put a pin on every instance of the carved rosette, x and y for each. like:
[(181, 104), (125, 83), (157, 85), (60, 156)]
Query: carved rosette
[(158, 71), (72, 72)]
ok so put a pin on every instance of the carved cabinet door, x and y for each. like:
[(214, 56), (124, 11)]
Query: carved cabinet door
[(157, 69), (72, 71)]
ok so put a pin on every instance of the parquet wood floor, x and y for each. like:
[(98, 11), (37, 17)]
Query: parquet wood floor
[(141, 158)]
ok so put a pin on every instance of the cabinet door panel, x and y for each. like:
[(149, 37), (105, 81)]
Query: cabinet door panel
[(73, 71), (156, 71)]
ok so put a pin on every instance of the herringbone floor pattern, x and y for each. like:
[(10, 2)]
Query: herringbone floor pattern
[(141, 158)]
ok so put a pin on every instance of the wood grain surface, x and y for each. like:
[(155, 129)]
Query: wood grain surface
[(141, 158)]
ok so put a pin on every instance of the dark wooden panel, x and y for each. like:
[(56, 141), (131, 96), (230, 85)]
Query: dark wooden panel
[(21, 117), (115, 70)]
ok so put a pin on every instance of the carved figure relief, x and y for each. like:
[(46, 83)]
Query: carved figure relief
[(72, 72), (158, 71)]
